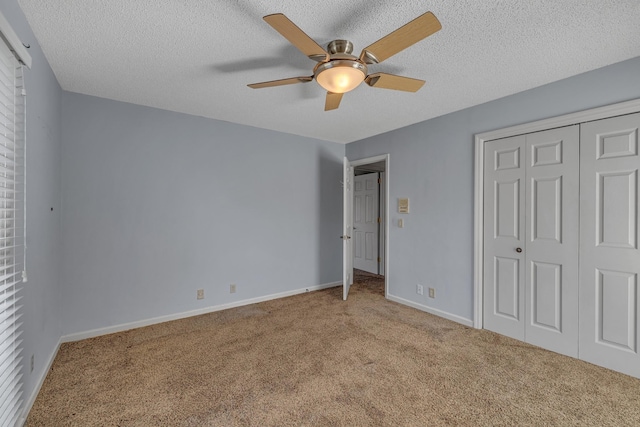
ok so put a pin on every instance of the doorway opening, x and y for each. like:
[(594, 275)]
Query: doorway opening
[(369, 219)]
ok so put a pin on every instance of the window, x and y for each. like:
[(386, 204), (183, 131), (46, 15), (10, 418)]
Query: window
[(12, 232)]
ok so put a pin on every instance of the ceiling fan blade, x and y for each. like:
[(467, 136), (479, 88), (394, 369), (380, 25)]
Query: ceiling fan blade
[(405, 36), (333, 101), (297, 37), (282, 82), (391, 81)]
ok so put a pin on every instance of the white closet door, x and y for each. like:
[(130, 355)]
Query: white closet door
[(504, 234), (552, 232), (531, 213), (609, 254)]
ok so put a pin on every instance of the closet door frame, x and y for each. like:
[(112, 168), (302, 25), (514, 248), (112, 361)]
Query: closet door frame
[(612, 110)]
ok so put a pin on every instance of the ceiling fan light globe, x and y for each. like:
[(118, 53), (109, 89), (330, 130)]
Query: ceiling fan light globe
[(340, 76)]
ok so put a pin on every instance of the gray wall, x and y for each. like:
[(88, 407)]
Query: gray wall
[(158, 204), (41, 314), (432, 164)]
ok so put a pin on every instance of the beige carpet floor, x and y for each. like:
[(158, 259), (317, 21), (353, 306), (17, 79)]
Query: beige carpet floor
[(314, 360)]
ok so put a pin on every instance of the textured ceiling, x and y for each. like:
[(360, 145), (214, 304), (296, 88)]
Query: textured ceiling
[(197, 56)]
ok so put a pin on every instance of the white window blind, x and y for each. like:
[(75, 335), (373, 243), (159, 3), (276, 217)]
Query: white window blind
[(12, 229)]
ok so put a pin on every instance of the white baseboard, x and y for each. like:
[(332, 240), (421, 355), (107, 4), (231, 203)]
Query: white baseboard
[(34, 394), (146, 322), (434, 311)]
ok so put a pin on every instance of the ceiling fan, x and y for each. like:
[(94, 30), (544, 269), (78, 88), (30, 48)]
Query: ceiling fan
[(338, 71)]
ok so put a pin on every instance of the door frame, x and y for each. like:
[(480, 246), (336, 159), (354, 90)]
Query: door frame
[(385, 217), (347, 226), (598, 113)]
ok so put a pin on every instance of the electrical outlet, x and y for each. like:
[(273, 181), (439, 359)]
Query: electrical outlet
[(420, 289), (432, 293), (232, 288), (32, 362), (200, 293)]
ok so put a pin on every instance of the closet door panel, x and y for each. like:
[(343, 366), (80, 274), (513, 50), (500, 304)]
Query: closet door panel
[(503, 236), (552, 212), (609, 254)]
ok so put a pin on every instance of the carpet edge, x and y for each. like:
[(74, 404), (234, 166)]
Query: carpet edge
[(28, 404)]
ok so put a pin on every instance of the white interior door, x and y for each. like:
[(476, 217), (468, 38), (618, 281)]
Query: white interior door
[(504, 237), (552, 233), (531, 238), (366, 222), (347, 226), (609, 254)]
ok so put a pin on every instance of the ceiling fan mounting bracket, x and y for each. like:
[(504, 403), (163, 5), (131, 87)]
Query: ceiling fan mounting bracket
[(368, 57), (372, 80), (318, 57), (340, 46)]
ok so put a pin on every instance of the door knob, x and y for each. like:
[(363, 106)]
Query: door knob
[(345, 237), (518, 250)]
